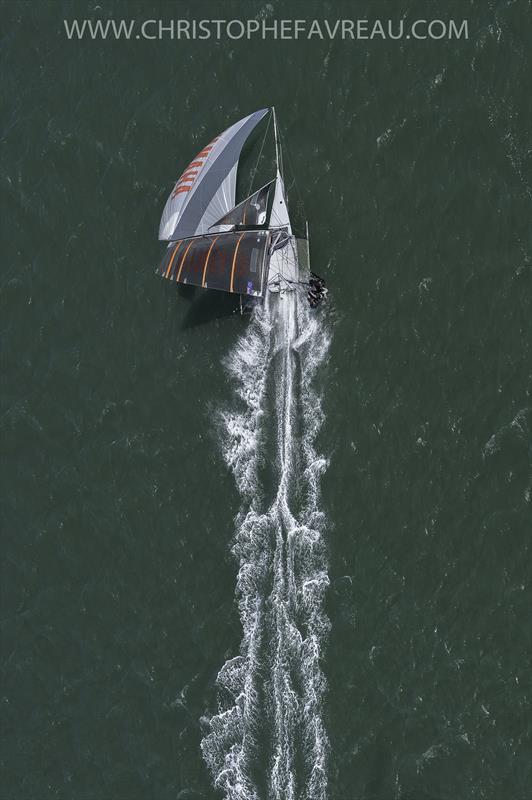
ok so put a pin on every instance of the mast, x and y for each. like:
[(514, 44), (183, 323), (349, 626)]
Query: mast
[(277, 147), (279, 209)]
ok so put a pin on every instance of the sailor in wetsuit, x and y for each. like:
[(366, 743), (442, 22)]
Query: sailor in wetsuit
[(317, 290)]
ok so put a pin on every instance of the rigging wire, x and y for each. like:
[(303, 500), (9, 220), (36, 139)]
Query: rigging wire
[(254, 171), (284, 148)]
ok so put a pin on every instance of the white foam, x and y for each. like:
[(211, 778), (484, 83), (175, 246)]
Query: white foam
[(271, 694)]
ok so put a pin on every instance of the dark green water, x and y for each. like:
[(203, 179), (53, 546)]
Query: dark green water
[(415, 165)]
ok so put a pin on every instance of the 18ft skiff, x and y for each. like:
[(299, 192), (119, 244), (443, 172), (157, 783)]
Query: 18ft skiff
[(214, 242)]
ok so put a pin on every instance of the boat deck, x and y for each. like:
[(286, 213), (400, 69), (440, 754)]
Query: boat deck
[(288, 265)]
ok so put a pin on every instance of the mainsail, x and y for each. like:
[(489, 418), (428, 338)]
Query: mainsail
[(206, 190), (232, 262)]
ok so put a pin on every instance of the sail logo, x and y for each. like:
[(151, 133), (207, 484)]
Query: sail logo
[(187, 179)]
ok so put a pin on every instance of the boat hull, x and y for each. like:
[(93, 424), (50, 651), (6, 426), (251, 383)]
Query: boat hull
[(284, 271)]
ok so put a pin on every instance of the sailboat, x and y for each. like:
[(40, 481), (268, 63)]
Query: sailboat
[(214, 242)]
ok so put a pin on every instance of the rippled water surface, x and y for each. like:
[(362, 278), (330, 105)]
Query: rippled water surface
[(360, 478)]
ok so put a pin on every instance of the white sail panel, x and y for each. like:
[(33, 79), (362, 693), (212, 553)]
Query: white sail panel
[(279, 214), (283, 270), (206, 190), (223, 198)]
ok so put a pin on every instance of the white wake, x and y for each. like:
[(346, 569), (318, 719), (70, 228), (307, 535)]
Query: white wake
[(268, 738)]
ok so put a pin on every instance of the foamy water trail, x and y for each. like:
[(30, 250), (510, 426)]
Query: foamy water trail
[(268, 738)]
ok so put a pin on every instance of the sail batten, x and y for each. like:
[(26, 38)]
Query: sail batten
[(205, 190)]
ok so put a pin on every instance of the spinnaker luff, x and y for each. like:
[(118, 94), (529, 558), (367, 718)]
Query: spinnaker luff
[(245, 247)]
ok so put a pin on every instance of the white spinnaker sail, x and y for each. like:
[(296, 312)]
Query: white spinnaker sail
[(206, 190)]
